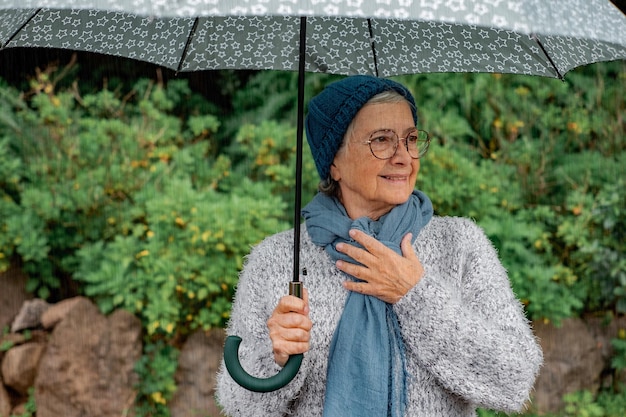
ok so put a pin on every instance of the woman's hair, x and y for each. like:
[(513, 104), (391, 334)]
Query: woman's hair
[(329, 186)]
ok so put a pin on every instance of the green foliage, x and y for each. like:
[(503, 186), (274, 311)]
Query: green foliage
[(10, 167), (156, 386), (619, 345), (123, 196), (266, 153), (6, 345), (30, 407), (580, 404), (176, 268), (585, 404)]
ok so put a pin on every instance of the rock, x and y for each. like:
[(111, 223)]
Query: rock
[(196, 375), (88, 367), (29, 316), (605, 331), (57, 312), (19, 366), (12, 339), (573, 361), (13, 294), (5, 401), (19, 410)]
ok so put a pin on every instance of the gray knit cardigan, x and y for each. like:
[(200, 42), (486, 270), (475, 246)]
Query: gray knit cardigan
[(467, 339)]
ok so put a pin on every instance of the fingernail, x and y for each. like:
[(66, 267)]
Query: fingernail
[(352, 232)]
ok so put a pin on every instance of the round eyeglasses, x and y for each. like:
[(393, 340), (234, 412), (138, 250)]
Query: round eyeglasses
[(384, 143)]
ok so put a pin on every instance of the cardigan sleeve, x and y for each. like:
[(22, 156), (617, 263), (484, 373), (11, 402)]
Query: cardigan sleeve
[(261, 284), (463, 324)]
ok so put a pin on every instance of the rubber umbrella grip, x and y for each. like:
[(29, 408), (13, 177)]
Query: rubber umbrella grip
[(252, 383)]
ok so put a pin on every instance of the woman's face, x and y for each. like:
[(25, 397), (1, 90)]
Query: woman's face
[(370, 186)]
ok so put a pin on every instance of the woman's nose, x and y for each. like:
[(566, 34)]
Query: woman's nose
[(402, 151)]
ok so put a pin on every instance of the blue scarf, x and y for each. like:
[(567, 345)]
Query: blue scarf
[(366, 364)]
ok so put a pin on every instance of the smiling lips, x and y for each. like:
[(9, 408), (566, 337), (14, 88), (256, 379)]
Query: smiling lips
[(395, 177)]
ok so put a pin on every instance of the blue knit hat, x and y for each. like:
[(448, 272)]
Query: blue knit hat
[(331, 112)]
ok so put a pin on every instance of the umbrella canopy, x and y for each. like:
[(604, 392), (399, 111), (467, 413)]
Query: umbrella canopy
[(391, 37)]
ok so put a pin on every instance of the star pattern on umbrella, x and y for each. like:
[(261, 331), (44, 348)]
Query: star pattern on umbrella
[(341, 40)]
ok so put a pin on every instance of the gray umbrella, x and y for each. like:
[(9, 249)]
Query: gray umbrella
[(382, 38)]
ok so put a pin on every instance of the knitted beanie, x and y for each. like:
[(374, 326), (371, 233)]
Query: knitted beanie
[(331, 112)]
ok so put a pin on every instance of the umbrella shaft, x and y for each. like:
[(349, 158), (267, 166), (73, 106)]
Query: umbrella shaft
[(299, 135)]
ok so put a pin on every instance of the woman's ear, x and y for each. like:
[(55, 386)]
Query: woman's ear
[(334, 172)]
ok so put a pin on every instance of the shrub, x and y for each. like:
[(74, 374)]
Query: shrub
[(123, 196), (156, 387)]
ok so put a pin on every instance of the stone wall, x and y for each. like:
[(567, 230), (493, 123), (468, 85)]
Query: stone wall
[(80, 362)]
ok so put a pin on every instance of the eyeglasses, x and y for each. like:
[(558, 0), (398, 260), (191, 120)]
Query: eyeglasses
[(384, 143)]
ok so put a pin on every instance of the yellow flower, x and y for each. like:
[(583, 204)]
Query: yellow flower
[(158, 398), (574, 127), (153, 326), (143, 253), (522, 91)]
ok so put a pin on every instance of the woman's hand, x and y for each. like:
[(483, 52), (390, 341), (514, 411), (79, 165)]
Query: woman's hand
[(290, 327), (385, 274)]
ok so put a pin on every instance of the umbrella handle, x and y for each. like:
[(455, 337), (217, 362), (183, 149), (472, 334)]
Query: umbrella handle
[(249, 382), (236, 371)]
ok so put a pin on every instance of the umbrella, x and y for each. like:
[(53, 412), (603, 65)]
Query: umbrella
[(386, 37), (382, 38)]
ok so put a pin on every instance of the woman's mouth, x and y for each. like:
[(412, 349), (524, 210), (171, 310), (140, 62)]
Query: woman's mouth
[(394, 178)]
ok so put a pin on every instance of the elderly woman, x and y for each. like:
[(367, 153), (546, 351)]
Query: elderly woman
[(404, 313)]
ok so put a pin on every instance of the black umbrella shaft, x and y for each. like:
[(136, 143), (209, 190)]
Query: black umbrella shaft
[(299, 146)]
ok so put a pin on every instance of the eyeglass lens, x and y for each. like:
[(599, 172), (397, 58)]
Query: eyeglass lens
[(384, 143)]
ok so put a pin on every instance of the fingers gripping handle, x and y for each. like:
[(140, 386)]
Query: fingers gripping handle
[(240, 376)]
